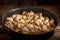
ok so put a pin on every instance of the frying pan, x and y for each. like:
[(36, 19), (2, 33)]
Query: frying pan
[(16, 35)]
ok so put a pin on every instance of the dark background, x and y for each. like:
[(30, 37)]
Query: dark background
[(17, 2)]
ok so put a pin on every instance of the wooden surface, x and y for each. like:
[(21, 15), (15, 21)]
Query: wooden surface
[(54, 8)]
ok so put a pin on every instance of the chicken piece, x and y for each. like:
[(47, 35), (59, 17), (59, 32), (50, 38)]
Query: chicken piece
[(40, 14), (42, 18), (37, 27), (32, 21), (25, 30), (47, 24), (30, 18), (20, 25), (14, 16), (24, 17), (37, 22), (30, 27), (31, 13), (14, 23), (36, 17), (9, 19), (24, 13), (45, 28), (18, 17), (27, 21), (22, 21), (9, 25), (17, 30), (51, 22), (46, 21)]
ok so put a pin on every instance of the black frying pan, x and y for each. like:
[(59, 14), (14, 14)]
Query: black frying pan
[(25, 36)]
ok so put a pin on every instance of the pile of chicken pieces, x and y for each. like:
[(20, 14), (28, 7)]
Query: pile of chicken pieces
[(29, 23)]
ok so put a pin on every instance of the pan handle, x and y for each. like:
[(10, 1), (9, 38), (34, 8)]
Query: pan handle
[(2, 30)]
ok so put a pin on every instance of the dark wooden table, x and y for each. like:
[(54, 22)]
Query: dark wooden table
[(53, 8)]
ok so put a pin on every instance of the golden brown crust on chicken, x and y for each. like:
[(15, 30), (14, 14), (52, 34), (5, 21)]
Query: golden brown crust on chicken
[(29, 23)]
